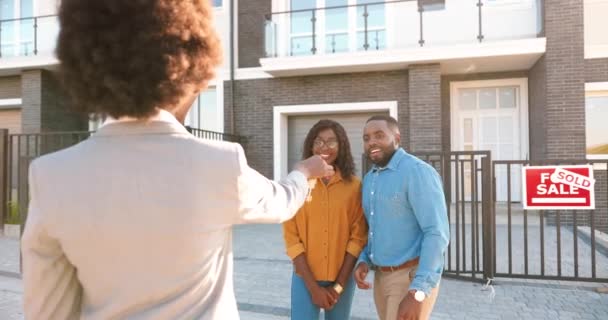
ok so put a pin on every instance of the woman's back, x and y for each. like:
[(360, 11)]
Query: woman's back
[(145, 218)]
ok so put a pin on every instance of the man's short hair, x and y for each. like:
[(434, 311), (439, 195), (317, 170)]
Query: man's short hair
[(390, 121)]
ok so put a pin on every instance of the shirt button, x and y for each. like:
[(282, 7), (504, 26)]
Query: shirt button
[(371, 255), (372, 193), (372, 213), (371, 233)]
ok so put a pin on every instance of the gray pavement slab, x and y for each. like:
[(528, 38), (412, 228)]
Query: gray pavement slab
[(263, 274)]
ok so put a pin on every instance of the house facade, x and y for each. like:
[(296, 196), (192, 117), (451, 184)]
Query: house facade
[(525, 79)]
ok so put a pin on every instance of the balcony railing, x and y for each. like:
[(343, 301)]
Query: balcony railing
[(28, 36), (374, 25)]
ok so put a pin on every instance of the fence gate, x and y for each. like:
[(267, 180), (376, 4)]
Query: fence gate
[(467, 180)]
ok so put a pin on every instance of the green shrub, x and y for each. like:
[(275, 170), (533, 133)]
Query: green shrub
[(12, 216)]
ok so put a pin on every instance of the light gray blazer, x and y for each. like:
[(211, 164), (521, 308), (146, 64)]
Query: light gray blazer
[(136, 223)]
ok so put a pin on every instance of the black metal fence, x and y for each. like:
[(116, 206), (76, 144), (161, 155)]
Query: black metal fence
[(213, 135), (468, 191), (18, 151), (549, 244), (493, 236)]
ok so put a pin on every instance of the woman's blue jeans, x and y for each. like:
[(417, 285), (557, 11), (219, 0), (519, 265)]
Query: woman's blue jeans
[(302, 307)]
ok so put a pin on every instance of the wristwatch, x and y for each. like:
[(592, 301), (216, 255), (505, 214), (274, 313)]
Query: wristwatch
[(338, 288), (419, 295)]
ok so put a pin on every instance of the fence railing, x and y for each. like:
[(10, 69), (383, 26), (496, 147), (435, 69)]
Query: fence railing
[(214, 135), (28, 36), (18, 150), (549, 244), (379, 25)]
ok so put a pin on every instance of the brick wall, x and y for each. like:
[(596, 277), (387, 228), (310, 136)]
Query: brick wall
[(565, 79), (425, 107), (596, 70), (251, 31), (256, 98), (537, 87), (45, 107), (10, 87)]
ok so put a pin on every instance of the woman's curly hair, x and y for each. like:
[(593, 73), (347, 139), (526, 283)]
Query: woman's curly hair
[(344, 160), (127, 57)]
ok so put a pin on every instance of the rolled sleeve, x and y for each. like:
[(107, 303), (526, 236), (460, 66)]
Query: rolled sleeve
[(291, 236), (354, 248), (295, 250)]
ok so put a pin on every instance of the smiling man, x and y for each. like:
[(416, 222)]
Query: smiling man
[(405, 208)]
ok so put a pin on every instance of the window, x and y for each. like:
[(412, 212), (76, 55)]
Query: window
[(18, 35), (375, 38), (301, 27), (596, 113), (336, 26), (206, 113)]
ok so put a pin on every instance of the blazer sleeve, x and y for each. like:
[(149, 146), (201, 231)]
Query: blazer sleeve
[(50, 285), (261, 200)]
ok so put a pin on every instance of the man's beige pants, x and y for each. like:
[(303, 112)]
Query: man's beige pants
[(391, 287)]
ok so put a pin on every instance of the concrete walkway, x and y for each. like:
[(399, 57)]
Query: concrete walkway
[(262, 280)]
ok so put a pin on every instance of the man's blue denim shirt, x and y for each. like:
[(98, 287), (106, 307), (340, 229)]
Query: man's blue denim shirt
[(406, 212)]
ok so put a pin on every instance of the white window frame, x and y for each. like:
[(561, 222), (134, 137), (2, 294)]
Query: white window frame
[(522, 83), (280, 123), (595, 89)]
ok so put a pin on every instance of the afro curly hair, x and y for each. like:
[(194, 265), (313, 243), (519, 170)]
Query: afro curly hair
[(127, 58)]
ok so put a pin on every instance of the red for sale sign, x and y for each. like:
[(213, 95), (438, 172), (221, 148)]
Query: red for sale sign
[(558, 187)]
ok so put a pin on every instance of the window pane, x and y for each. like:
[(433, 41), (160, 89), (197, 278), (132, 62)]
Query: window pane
[(301, 46), (507, 97), (302, 4), (27, 8), (7, 9), (26, 28), (204, 113), (487, 98), (336, 42), (468, 131), (301, 22), (210, 111), (467, 99), (596, 129), (376, 40), (336, 19), (375, 15)]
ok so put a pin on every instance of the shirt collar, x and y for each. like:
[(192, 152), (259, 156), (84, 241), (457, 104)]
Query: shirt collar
[(394, 162), (162, 115)]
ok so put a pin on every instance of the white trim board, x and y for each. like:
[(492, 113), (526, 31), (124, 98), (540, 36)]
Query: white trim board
[(596, 86), (281, 114), (10, 102)]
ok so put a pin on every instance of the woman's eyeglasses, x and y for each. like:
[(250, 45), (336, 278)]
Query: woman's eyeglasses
[(332, 144)]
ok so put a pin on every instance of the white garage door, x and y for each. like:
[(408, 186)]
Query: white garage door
[(11, 120), (353, 123)]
